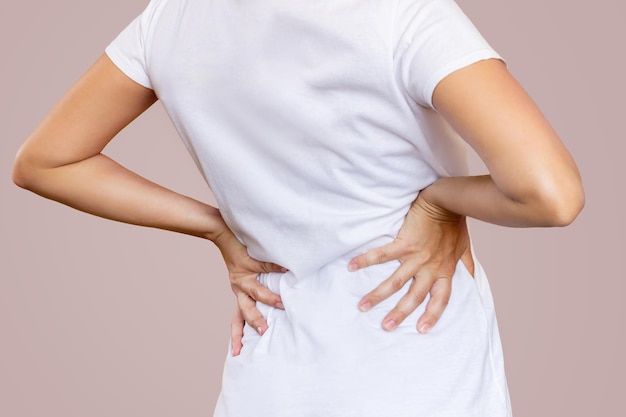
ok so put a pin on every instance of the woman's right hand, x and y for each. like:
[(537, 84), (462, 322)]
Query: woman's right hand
[(242, 273)]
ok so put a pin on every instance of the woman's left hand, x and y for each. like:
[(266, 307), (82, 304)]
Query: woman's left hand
[(429, 245)]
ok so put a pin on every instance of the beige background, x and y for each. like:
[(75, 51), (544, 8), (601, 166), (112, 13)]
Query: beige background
[(104, 319)]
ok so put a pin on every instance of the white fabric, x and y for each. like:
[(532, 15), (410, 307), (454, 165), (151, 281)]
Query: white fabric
[(312, 122)]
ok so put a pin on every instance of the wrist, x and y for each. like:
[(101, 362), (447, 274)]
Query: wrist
[(216, 228), (427, 202)]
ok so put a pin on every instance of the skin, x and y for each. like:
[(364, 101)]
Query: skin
[(533, 182), (62, 160)]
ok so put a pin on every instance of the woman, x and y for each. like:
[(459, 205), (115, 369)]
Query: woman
[(332, 135)]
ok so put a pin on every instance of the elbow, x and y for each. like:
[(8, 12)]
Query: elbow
[(565, 210), (23, 171), (561, 202), (19, 173)]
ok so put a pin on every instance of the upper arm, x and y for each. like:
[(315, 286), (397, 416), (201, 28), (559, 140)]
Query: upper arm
[(100, 104), (486, 105)]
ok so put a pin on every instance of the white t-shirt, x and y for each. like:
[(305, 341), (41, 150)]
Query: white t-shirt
[(313, 124)]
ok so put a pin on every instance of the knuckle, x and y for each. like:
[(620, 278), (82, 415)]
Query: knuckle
[(241, 298), (401, 314), (412, 247), (254, 293), (418, 295), (251, 322), (263, 295), (380, 256), (424, 257), (396, 283), (252, 309), (447, 270), (375, 297)]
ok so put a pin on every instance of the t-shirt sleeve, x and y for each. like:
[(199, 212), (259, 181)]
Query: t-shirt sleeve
[(436, 38), (128, 50)]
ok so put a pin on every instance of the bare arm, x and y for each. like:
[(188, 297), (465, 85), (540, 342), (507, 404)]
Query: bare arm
[(533, 179), (62, 160)]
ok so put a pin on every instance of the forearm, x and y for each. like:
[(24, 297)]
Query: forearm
[(480, 198), (100, 186)]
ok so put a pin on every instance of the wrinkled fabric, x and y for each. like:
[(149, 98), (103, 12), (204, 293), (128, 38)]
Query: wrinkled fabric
[(313, 124)]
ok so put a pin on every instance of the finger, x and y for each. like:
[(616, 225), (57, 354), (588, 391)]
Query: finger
[(391, 285), (236, 332), (251, 314), (270, 267), (439, 297), (259, 292), (376, 256), (409, 302)]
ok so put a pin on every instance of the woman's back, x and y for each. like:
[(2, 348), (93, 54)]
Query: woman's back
[(301, 115), (313, 124)]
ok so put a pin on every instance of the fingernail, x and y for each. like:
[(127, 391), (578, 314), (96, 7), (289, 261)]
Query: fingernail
[(259, 330), (352, 267), (365, 306), (284, 269), (390, 324), (425, 328), (279, 305)]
